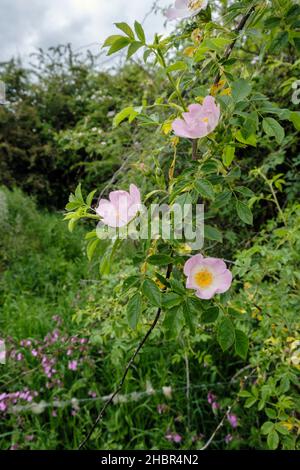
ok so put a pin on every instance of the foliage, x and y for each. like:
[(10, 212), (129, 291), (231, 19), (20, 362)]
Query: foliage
[(232, 359)]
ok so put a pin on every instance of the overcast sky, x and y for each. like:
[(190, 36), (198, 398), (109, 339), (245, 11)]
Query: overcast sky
[(28, 24)]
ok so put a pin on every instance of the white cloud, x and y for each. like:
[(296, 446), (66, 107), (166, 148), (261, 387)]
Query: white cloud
[(27, 25)]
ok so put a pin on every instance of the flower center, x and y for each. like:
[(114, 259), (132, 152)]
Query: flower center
[(195, 4), (205, 119), (204, 278)]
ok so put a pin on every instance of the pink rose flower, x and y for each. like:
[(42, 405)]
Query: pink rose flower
[(121, 207), (199, 121), (208, 276), (233, 420), (186, 9)]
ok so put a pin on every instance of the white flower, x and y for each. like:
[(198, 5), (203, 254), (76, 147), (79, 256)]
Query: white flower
[(186, 9)]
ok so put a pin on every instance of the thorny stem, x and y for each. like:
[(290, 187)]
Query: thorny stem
[(230, 47), (170, 267), (275, 199)]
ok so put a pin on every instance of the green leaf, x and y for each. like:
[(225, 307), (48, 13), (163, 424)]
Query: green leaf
[(134, 308), (118, 45), (240, 89), (244, 212), (111, 39), (212, 233), (128, 112), (270, 413), (228, 155), (140, 32), (188, 316), (90, 198), (244, 191), (171, 299), (180, 65), (251, 140), (126, 29), (222, 199), (133, 48), (226, 333), (273, 440), (195, 305), (281, 429), (78, 193), (205, 188), (178, 287), (160, 260), (91, 248), (210, 315), (173, 321), (273, 129), (241, 344), (267, 427), (295, 119), (250, 402), (152, 292)]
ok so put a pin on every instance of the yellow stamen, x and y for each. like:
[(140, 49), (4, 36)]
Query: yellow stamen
[(205, 119), (204, 278), (195, 4)]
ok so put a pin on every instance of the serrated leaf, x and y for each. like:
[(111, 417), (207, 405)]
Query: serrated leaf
[(140, 32), (133, 48), (152, 292), (134, 308), (188, 316), (295, 119), (244, 212), (222, 199), (240, 89), (226, 333), (177, 66), (111, 39), (267, 427), (91, 248), (273, 129), (228, 155), (273, 440), (160, 260), (205, 188), (126, 29), (128, 112), (244, 191), (118, 45), (212, 233), (171, 299), (90, 198), (210, 315), (241, 344)]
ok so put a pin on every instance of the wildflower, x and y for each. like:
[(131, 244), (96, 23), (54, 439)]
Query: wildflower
[(233, 420), (173, 437), (199, 121), (185, 9), (208, 276), (228, 438), (73, 365), (162, 408), (121, 207), (167, 391)]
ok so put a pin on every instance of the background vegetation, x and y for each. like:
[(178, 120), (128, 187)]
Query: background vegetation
[(65, 326)]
